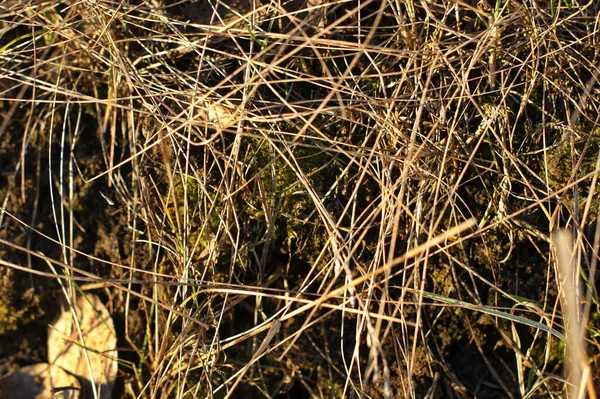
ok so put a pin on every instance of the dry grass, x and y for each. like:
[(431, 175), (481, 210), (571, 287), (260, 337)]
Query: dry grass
[(262, 197)]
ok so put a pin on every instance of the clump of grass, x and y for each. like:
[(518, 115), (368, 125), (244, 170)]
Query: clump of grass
[(261, 193)]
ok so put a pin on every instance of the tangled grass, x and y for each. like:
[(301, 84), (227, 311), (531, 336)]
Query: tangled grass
[(261, 192)]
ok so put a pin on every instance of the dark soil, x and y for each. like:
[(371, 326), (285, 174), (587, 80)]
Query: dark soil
[(125, 224)]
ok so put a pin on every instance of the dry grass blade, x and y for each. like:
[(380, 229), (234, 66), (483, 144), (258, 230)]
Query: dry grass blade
[(568, 268), (260, 192)]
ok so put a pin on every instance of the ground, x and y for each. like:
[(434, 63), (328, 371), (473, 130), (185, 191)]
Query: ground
[(215, 182)]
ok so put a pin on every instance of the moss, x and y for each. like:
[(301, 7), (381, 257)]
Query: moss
[(550, 352), (562, 163), (278, 188), (442, 280), (11, 315), (186, 185), (187, 189)]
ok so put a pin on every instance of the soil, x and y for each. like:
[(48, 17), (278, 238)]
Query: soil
[(126, 225)]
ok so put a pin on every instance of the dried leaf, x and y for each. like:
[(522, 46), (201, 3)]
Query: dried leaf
[(33, 382), (86, 348)]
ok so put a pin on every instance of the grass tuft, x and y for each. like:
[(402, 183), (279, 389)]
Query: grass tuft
[(308, 198)]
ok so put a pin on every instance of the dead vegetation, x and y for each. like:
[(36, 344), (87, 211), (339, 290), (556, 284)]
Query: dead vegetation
[(260, 191)]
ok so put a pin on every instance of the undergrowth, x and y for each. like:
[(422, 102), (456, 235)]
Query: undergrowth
[(257, 194)]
